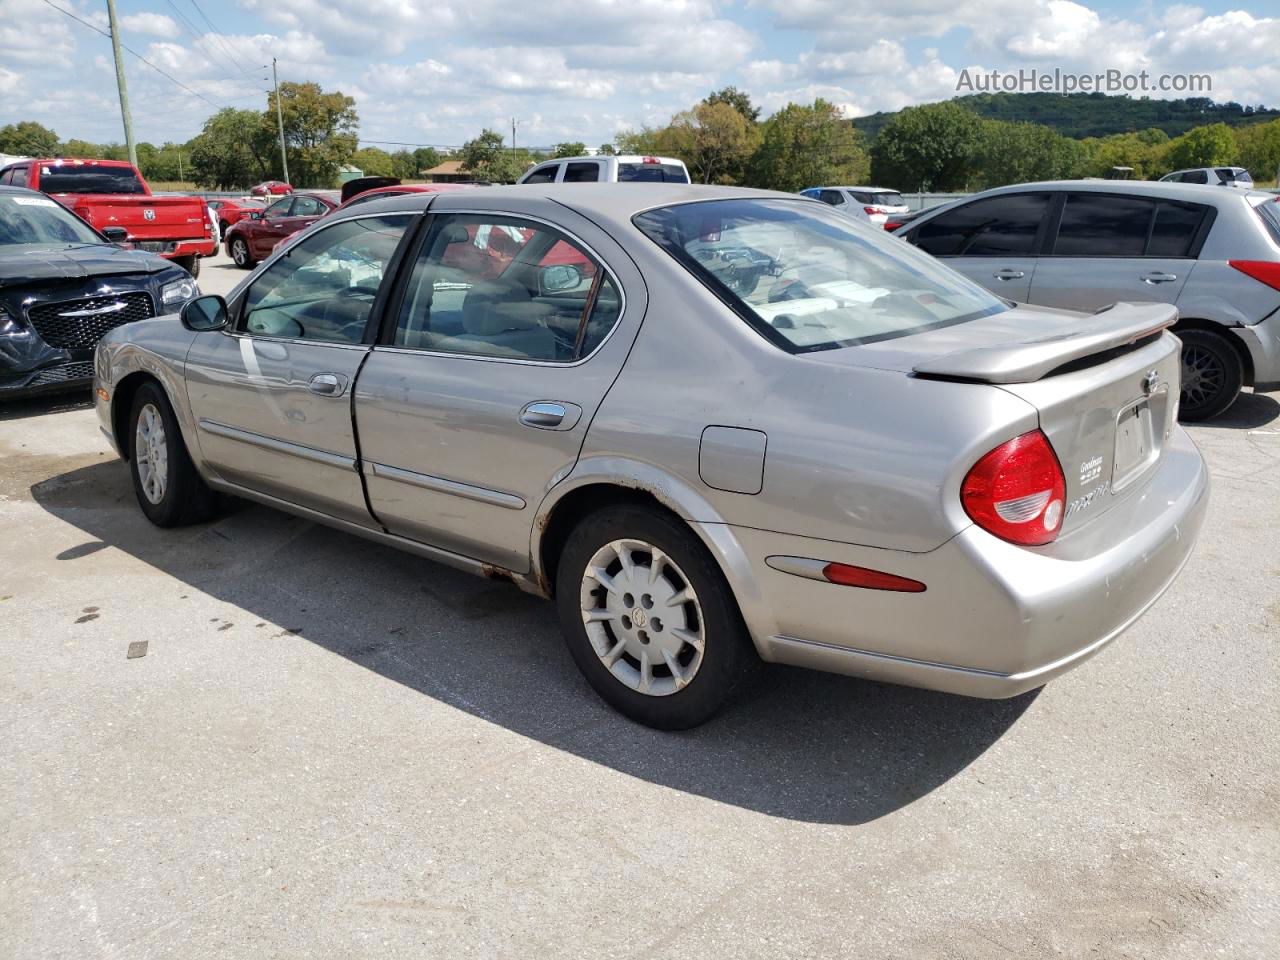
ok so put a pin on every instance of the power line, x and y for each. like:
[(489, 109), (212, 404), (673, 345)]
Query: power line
[(217, 34), (162, 73)]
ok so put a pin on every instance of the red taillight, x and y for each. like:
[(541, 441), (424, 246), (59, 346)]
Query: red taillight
[(650, 160), (875, 209), (892, 224), (851, 576), (1017, 491), (1264, 271)]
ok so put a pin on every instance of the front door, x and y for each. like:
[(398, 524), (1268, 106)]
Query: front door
[(993, 241), (272, 395), (1111, 248), (508, 335)]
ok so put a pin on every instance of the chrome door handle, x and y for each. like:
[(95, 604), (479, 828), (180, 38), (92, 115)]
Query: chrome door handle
[(1158, 277), (327, 384), (544, 413), (1007, 274)]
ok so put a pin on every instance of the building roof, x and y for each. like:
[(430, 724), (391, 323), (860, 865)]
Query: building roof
[(448, 167)]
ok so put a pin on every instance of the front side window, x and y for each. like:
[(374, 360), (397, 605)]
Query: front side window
[(545, 174), (1004, 226), (34, 219), (324, 286), (584, 172), (497, 286), (278, 209), (811, 279), (1103, 225)]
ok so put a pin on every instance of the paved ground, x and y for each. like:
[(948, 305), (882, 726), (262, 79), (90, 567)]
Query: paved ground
[(331, 749)]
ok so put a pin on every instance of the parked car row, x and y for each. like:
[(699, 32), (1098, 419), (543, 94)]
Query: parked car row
[(851, 443)]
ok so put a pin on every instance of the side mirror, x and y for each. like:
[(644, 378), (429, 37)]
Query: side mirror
[(204, 314), (115, 234), (256, 215), (559, 277)]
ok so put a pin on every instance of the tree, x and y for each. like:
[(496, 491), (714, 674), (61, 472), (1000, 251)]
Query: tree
[(424, 158), (642, 141), (931, 147), (235, 149), (319, 131), (1209, 146), (606, 150), (1120, 150), (1023, 152), (27, 138), (1260, 149), (571, 148), (374, 162), (714, 139), (487, 158), (738, 100), (805, 146)]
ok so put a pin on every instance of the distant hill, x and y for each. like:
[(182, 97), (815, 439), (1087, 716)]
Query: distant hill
[(1094, 114)]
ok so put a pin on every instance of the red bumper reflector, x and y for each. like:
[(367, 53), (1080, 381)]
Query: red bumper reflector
[(851, 576)]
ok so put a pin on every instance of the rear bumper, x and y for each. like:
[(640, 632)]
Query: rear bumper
[(1263, 342), (996, 619), (188, 248)]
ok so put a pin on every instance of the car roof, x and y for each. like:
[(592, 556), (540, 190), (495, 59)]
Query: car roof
[(81, 162), (25, 191), (620, 157), (615, 201), (1190, 192)]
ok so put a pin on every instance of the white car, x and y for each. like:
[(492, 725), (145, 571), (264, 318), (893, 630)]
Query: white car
[(1217, 176), (631, 168), (876, 204)]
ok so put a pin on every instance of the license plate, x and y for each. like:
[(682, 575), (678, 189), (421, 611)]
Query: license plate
[(155, 246), (1135, 442)]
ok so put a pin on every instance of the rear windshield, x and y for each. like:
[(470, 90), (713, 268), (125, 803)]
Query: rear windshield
[(33, 219), (652, 172), (888, 199), (89, 180), (809, 278)]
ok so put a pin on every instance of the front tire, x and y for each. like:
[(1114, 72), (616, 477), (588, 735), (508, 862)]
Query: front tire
[(1212, 375), (169, 490), (240, 253), (649, 618)]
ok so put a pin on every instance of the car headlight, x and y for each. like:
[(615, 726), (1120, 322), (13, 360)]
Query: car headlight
[(178, 292)]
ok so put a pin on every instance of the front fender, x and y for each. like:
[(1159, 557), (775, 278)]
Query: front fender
[(683, 499), (121, 356)]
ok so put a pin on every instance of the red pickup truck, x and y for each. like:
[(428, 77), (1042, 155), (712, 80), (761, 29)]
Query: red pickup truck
[(112, 193)]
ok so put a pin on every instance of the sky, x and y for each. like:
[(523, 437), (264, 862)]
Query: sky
[(436, 72)]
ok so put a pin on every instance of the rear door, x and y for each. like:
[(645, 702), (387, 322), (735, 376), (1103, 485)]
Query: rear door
[(1110, 247), (993, 241), (272, 396), (477, 398)]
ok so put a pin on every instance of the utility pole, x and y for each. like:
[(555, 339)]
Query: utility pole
[(284, 160), (124, 90), (180, 176), (513, 138)]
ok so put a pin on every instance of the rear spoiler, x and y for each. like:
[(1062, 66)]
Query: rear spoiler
[(1023, 361)]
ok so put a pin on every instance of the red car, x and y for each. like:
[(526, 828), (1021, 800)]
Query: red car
[(253, 238), (231, 211), (109, 194), (395, 190), (271, 188)]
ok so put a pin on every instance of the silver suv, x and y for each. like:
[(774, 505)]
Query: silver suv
[(1084, 245), (1217, 176)]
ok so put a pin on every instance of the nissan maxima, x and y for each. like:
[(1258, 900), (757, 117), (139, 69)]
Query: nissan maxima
[(715, 426)]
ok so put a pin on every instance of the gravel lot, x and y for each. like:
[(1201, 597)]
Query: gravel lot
[(332, 749)]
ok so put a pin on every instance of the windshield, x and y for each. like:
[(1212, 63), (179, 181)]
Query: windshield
[(652, 173), (62, 179), (26, 220), (809, 278)]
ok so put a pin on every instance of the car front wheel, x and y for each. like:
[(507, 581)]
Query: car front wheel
[(170, 491), (240, 254), (1212, 375), (649, 618)]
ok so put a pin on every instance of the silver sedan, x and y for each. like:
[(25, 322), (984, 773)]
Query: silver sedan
[(716, 426)]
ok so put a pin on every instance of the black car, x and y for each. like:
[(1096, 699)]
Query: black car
[(62, 286)]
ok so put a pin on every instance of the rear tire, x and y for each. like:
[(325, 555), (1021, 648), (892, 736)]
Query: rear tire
[(665, 649), (1212, 375), (169, 489), (240, 253), (190, 264)]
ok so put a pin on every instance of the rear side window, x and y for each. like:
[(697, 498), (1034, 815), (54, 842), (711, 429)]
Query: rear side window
[(652, 173), (585, 172), (545, 174), (832, 197), (1103, 225), (19, 177), (1175, 229), (1194, 176), (996, 227), (307, 207)]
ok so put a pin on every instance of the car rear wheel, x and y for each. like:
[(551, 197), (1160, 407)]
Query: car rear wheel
[(649, 618), (170, 491), (240, 253), (1212, 375), (190, 264)]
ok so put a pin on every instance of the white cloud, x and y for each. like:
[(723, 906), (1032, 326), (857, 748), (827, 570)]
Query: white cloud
[(152, 24)]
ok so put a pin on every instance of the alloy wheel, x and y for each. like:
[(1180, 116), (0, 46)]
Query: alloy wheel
[(642, 617), (1202, 375), (152, 452)]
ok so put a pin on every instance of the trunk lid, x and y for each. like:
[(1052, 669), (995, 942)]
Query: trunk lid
[(1105, 386)]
